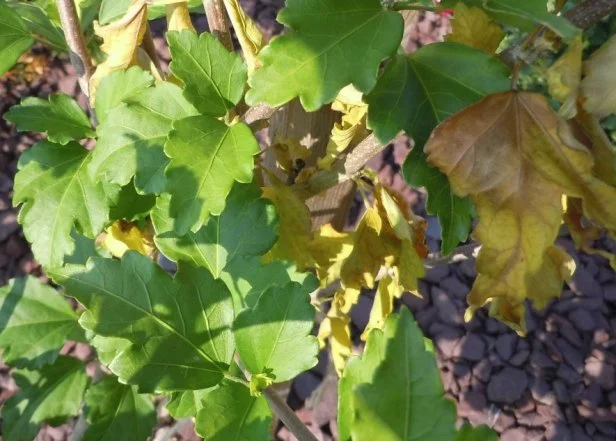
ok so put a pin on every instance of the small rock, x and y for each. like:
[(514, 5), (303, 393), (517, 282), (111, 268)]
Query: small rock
[(520, 358), (506, 345), (607, 429), (612, 397), (567, 374), (584, 283), (453, 286), (437, 273), (591, 397), (604, 374), (8, 224), (446, 308), (561, 391), (472, 405), (542, 392), (582, 320), (472, 347), (504, 421), (495, 327), (507, 386), (609, 292), (570, 354), (516, 434), (483, 370), (540, 360), (601, 337), (579, 434), (558, 432), (448, 344), (467, 268)]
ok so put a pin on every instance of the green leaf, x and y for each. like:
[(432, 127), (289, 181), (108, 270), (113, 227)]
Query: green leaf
[(274, 337), (479, 433), (214, 78), (40, 25), (58, 194), (526, 14), (132, 137), (130, 205), (186, 404), (112, 10), (246, 227), (332, 43), (417, 92), (207, 157), (179, 328), (52, 394), (247, 279), (84, 249), (60, 118), (108, 348), (35, 322), (360, 370), (15, 38), (414, 407), (118, 87), (116, 412), (230, 413)]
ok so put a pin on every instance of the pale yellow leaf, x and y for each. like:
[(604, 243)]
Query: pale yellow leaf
[(295, 228), (123, 236), (178, 17), (329, 249), (472, 26), (507, 153), (599, 84), (248, 33), (383, 305), (350, 130), (121, 39), (564, 78)]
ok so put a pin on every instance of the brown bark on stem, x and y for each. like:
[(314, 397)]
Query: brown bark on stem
[(218, 22)]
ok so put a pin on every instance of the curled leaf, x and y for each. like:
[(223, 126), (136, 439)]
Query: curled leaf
[(248, 33), (123, 236), (121, 39), (599, 84), (564, 78), (178, 17)]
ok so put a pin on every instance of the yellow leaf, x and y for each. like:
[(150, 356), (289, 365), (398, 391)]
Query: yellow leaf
[(383, 304), (335, 328), (472, 27), (329, 249), (599, 84), (178, 17), (350, 130), (602, 149), (506, 152), (121, 39), (123, 236), (295, 229), (564, 78), (371, 250), (248, 33)]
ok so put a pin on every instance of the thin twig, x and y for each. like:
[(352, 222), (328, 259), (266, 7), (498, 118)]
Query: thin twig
[(288, 417), (218, 22), (78, 51)]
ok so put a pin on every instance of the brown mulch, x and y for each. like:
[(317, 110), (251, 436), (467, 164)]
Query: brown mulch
[(557, 384)]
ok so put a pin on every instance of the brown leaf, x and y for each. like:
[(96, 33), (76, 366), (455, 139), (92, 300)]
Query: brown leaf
[(506, 152)]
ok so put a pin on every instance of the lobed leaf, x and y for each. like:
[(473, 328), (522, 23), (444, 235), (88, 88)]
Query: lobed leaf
[(273, 337), (598, 84), (60, 118), (52, 394), (116, 412), (35, 322), (179, 329), (214, 78), (131, 137), (207, 157), (15, 39), (414, 407), (332, 43), (58, 194), (229, 412), (246, 227)]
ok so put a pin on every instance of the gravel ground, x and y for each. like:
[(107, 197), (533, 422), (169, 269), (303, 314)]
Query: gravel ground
[(557, 384)]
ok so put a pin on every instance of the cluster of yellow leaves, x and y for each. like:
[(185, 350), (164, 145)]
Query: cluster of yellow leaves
[(350, 130), (516, 158), (389, 244), (123, 236), (472, 26), (565, 77), (121, 41)]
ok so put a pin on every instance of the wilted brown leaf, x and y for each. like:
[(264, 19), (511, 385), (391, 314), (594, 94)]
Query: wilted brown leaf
[(507, 154)]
